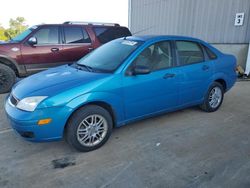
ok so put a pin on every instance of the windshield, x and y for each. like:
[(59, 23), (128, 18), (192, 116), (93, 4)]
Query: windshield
[(23, 35), (109, 56)]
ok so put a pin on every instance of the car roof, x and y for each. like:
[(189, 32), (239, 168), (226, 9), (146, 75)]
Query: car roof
[(149, 38), (155, 38)]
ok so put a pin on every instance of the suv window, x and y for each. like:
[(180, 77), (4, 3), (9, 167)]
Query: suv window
[(47, 35), (76, 35), (157, 56), (189, 52), (106, 34)]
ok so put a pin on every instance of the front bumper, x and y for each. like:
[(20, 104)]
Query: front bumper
[(25, 123)]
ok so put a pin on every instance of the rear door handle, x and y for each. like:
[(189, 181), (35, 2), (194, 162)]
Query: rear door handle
[(168, 75), (54, 49), (205, 67), (90, 49)]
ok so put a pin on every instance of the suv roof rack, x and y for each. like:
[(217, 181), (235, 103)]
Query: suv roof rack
[(91, 23)]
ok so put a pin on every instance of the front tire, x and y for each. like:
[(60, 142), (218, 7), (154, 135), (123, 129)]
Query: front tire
[(213, 98), (7, 78), (89, 128)]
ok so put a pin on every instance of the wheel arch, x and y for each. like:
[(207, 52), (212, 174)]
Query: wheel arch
[(102, 104), (221, 78), (107, 107), (222, 82), (9, 63)]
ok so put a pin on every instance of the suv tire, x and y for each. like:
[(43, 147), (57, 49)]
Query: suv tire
[(89, 128), (7, 78)]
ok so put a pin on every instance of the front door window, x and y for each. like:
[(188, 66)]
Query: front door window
[(157, 56), (47, 35)]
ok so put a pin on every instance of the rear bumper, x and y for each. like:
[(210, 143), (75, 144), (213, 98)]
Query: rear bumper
[(231, 82), (25, 123)]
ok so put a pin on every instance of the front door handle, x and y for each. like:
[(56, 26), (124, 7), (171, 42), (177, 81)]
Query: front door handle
[(54, 49), (90, 49), (205, 67), (168, 75)]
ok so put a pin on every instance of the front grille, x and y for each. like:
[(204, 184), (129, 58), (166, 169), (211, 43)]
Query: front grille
[(13, 100)]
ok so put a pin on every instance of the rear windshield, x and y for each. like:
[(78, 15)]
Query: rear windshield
[(106, 34), (108, 57)]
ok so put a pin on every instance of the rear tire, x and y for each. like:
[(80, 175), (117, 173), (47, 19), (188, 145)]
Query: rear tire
[(89, 128), (7, 78), (213, 98)]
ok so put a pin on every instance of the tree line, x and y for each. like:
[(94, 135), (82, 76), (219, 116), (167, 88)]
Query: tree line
[(16, 26)]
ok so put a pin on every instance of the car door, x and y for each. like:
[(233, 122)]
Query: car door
[(46, 53), (76, 43), (154, 92), (195, 72)]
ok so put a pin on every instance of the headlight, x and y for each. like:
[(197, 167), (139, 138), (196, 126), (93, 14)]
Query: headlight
[(30, 103)]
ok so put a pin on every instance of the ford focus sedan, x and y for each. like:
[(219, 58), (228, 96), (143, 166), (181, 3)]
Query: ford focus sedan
[(125, 80)]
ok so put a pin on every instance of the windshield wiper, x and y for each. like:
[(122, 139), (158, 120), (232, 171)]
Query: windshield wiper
[(88, 68)]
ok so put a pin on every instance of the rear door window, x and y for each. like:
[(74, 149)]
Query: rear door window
[(189, 52), (75, 35), (106, 34)]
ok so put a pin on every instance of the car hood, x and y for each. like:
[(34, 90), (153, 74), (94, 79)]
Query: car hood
[(54, 81)]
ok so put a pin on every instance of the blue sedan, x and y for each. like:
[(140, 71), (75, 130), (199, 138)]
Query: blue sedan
[(125, 80)]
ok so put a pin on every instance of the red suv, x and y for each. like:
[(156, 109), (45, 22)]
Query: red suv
[(44, 46)]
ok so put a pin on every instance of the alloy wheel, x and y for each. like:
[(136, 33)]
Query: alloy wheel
[(215, 97), (92, 130)]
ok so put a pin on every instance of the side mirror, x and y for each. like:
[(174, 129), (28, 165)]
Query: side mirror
[(141, 69), (32, 41)]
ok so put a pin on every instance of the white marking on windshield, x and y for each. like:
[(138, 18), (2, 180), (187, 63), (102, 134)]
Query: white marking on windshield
[(129, 42), (34, 27)]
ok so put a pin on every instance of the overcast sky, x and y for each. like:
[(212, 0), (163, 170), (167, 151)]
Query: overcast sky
[(58, 11)]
